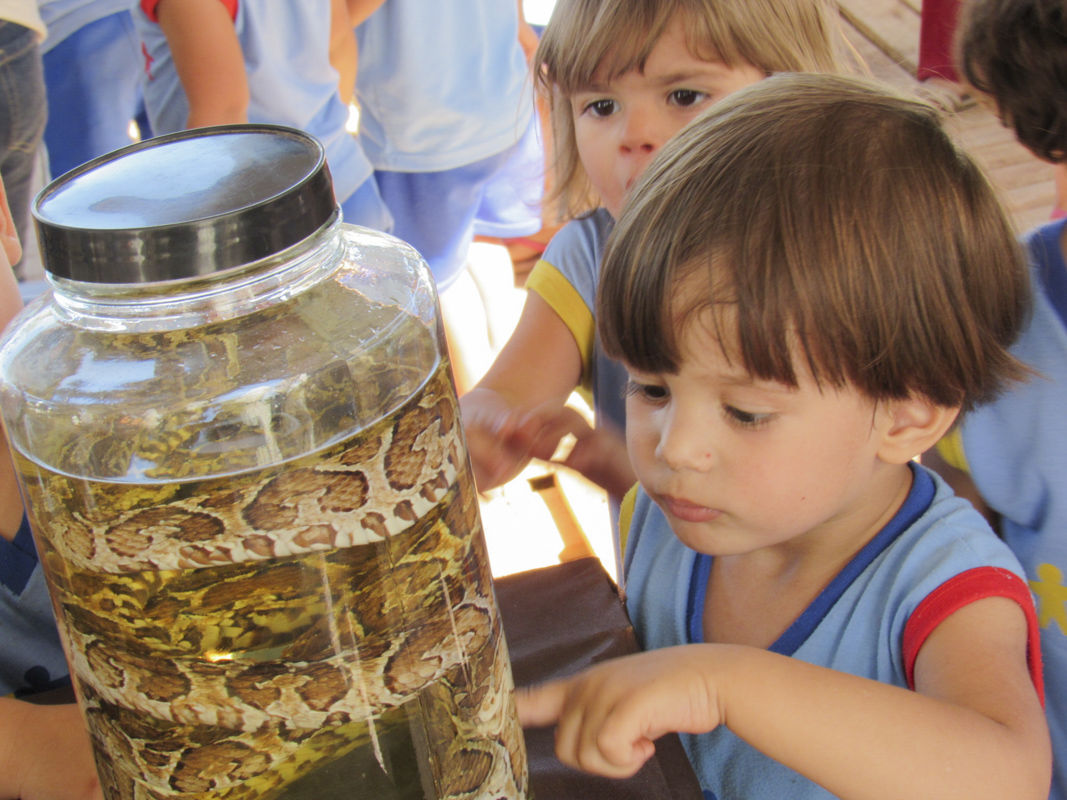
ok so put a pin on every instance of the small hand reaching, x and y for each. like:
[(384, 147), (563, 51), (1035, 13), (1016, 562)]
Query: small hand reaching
[(598, 453), (502, 439), (499, 444), (609, 716)]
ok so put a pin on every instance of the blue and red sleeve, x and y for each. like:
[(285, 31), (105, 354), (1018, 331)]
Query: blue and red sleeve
[(149, 8), (963, 589)]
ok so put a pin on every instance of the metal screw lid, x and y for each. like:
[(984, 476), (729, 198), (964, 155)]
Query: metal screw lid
[(184, 205)]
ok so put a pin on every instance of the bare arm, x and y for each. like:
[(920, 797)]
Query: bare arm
[(537, 369), (359, 10), (972, 730), (527, 35), (45, 753), (10, 305), (343, 48), (208, 58), (356, 13)]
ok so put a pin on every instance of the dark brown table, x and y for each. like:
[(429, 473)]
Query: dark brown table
[(558, 620)]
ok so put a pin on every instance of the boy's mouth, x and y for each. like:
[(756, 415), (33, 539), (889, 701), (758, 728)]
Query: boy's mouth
[(687, 511)]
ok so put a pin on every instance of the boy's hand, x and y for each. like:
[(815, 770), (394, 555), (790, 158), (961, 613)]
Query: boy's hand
[(609, 716), (51, 758)]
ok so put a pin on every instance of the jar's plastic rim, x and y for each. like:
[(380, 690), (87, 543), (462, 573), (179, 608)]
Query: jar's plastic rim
[(251, 229)]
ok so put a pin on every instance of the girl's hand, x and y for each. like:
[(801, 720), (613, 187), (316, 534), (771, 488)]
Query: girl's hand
[(538, 368), (502, 440), (499, 446), (599, 453), (46, 755), (609, 716)]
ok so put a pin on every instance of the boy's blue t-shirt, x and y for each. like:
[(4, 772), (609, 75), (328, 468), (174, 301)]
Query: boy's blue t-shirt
[(936, 554)]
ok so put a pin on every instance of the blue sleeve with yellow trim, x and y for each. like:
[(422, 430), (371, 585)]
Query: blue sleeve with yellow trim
[(566, 278)]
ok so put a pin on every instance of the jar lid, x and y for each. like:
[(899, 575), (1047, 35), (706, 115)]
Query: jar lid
[(184, 204)]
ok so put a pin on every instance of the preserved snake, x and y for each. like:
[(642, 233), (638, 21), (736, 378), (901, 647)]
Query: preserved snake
[(258, 631)]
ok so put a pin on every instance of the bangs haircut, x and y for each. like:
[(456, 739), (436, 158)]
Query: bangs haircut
[(841, 226), (604, 39), (1015, 51)]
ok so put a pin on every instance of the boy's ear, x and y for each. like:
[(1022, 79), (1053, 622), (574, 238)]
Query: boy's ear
[(912, 426)]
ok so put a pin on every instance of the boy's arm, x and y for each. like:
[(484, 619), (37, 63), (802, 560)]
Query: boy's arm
[(537, 369), (208, 58), (45, 753), (972, 729)]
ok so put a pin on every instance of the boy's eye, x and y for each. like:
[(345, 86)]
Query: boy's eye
[(746, 419), (601, 108), (651, 392), (687, 97)]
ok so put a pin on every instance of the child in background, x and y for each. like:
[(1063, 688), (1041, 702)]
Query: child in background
[(1010, 457), (44, 749), (92, 59), (937, 24), (623, 76), (215, 62), (807, 286), (23, 109), (447, 119)]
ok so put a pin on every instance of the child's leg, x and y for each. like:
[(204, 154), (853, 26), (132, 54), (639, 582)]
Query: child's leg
[(22, 120), (435, 213), (936, 31)]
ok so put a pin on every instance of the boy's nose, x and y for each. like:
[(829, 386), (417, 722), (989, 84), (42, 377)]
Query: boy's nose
[(680, 445)]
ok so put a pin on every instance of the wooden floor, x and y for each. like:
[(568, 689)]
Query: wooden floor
[(886, 35), (521, 528)]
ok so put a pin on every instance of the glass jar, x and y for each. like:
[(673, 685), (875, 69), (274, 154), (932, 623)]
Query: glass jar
[(236, 433)]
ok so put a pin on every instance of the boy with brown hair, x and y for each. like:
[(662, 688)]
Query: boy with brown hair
[(807, 287)]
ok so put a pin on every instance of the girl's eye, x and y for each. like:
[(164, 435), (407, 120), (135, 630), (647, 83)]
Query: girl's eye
[(651, 392), (687, 97), (746, 419), (601, 108)]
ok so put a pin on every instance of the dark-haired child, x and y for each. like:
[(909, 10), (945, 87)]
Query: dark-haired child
[(807, 286), (1010, 457)]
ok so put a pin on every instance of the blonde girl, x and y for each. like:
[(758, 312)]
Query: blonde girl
[(622, 77)]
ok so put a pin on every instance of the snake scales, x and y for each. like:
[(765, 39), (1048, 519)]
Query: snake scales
[(231, 637)]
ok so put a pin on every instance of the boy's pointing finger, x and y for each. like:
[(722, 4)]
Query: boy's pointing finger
[(540, 706)]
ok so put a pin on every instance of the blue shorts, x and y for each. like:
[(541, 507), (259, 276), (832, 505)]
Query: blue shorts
[(94, 91), (439, 213)]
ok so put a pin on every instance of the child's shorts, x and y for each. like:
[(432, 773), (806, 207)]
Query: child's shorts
[(93, 80), (439, 213)]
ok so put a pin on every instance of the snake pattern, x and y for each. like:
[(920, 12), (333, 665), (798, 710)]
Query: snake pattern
[(235, 637)]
